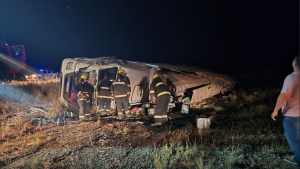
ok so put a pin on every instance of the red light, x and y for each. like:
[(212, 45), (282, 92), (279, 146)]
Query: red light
[(6, 44)]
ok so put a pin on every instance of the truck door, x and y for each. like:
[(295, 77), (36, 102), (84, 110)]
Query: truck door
[(18, 59)]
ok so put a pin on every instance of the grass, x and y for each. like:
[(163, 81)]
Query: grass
[(200, 162), (38, 162), (231, 159), (244, 121)]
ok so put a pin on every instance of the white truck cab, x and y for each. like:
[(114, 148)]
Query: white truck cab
[(140, 76)]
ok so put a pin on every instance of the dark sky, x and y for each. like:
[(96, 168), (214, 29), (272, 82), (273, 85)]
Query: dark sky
[(224, 36)]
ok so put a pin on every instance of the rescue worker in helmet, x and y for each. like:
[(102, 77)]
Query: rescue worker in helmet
[(127, 81), (85, 96), (104, 95), (119, 89), (160, 91)]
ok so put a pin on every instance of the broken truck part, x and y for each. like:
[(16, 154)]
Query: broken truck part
[(194, 82), (184, 81)]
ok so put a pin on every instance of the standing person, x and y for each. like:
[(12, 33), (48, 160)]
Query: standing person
[(104, 95), (161, 92), (85, 96), (119, 90), (288, 100), (127, 81), (74, 106)]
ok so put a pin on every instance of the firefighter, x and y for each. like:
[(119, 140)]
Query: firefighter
[(104, 95), (119, 90), (127, 81), (85, 96), (161, 93)]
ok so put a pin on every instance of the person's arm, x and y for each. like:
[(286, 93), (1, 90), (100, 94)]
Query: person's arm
[(128, 87), (91, 88), (99, 85), (152, 91), (112, 89), (286, 90), (280, 102)]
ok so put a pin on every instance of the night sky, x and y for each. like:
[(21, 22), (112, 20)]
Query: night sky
[(240, 38)]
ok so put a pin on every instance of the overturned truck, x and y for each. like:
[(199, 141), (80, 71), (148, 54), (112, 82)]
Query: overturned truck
[(183, 81)]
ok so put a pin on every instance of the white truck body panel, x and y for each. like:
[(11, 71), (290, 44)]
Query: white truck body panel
[(140, 76)]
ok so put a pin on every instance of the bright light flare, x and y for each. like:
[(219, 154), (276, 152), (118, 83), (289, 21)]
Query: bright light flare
[(16, 94), (7, 60)]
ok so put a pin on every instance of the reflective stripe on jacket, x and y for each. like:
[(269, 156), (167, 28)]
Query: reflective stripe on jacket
[(159, 87), (104, 88), (119, 88)]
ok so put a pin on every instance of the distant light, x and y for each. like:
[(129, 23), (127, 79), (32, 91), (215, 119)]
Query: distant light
[(33, 75), (41, 70), (26, 76), (6, 44)]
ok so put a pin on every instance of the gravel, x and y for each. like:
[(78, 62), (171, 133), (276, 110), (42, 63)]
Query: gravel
[(128, 157)]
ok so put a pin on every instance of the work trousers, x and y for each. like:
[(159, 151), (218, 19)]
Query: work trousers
[(84, 107), (161, 108), (75, 110), (291, 127), (106, 102), (122, 103), (128, 103)]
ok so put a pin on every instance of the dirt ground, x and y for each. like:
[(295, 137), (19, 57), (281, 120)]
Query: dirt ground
[(241, 136)]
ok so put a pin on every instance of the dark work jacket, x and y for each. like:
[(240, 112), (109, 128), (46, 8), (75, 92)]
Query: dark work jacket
[(85, 88), (127, 81), (119, 88), (159, 87), (104, 88)]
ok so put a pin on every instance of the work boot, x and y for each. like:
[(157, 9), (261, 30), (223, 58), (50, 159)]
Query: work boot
[(81, 118), (103, 113), (109, 113), (121, 117), (128, 115), (87, 116), (156, 124)]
